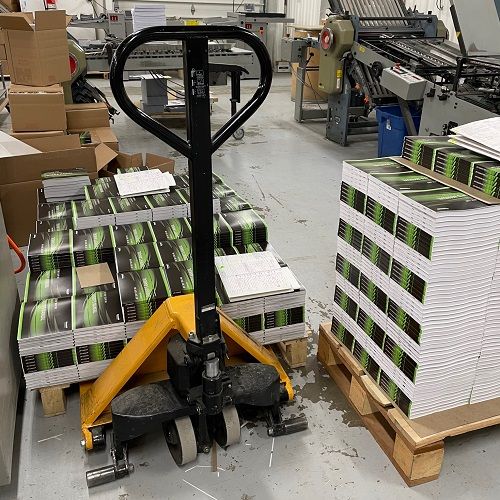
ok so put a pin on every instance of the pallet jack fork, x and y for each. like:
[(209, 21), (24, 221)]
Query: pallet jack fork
[(208, 378)]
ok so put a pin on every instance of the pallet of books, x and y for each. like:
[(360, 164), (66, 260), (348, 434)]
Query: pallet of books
[(70, 333), (414, 340)]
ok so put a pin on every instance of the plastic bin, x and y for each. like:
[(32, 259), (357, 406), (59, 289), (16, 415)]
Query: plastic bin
[(392, 130)]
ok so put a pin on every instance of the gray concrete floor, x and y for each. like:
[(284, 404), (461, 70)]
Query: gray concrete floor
[(291, 174)]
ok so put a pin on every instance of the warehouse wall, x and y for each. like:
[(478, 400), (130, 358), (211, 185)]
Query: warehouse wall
[(439, 7)]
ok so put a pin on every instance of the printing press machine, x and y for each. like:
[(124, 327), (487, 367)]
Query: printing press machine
[(381, 53)]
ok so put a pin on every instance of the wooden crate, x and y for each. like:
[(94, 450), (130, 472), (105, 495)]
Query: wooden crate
[(294, 352), (414, 446), (53, 400)]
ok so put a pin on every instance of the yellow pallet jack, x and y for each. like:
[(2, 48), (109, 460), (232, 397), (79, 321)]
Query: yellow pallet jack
[(190, 368)]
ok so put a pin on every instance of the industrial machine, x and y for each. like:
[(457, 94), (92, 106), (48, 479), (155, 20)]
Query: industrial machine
[(118, 24), (193, 357), (377, 53)]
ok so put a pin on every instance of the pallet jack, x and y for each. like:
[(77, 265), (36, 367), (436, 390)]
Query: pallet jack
[(201, 352)]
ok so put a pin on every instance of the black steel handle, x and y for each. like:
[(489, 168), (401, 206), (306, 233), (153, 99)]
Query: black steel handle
[(176, 33)]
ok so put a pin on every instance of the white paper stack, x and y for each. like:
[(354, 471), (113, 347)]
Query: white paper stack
[(130, 210), (148, 15), (480, 136), (143, 182), (172, 205), (415, 266), (65, 185), (92, 213), (45, 341)]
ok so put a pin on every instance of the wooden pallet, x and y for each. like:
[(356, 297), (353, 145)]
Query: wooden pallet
[(414, 446), (294, 352), (53, 400)]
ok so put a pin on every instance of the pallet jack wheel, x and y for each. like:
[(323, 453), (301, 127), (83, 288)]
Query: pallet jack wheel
[(181, 440), (239, 134), (98, 438), (227, 428)]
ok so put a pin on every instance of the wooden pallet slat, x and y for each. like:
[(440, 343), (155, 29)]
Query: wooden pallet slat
[(294, 352), (414, 446), (53, 400)]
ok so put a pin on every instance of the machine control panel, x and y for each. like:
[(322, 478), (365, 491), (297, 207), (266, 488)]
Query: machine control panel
[(404, 83)]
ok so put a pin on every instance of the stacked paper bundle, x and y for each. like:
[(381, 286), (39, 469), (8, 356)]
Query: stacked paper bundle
[(130, 210), (92, 246), (65, 185), (98, 322), (45, 340), (54, 211), (102, 187), (171, 205), (414, 271), (186, 196), (52, 250), (148, 15), (92, 213)]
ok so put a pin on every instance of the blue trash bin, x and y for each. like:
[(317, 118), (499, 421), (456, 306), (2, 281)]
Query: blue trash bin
[(392, 130)]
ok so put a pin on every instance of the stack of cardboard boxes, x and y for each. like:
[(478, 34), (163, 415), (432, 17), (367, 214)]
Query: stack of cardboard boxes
[(35, 47)]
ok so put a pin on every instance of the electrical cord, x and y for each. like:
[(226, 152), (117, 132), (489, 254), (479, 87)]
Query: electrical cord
[(309, 85)]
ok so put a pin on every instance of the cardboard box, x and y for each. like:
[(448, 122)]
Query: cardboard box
[(18, 185), (37, 48), (100, 135), (126, 160), (37, 109), (5, 67), (35, 135), (12, 5), (3, 52), (87, 116)]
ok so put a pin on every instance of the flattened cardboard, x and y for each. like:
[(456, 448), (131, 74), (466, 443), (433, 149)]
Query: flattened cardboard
[(37, 109), (87, 116), (474, 193), (94, 275), (54, 143), (24, 136)]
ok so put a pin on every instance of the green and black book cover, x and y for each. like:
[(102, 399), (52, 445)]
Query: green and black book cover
[(181, 181), (284, 317), (97, 309), (63, 174), (247, 227), (222, 191), (101, 190), (352, 197), (378, 165), (47, 251), (414, 237), (163, 200), (234, 204), (372, 329), (381, 215), (131, 234), (346, 303), (443, 198), (175, 250), (48, 361), (350, 272), (366, 361), (376, 255), (56, 283), (402, 319), (395, 393), (142, 292), (137, 257), (49, 316), (129, 204), (400, 359), (180, 277), (342, 333), (351, 235), (251, 323), (91, 208), (486, 178), (99, 352), (170, 229), (373, 293), (92, 246), (51, 211), (223, 233), (49, 225), (408, 280)]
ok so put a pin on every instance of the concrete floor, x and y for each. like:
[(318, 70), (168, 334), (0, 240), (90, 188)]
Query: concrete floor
[(291, 174)]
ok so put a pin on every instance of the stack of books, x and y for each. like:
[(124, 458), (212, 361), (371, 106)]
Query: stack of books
[(47, 251), (65, 185), (130, 210), (92, 246), (92, 213), (414, 272), (165, 206)]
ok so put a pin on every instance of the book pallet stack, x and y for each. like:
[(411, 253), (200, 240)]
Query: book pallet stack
[(68, 333), (416, 297)]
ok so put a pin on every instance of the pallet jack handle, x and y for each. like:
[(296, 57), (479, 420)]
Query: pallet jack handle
[(183, 33)]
